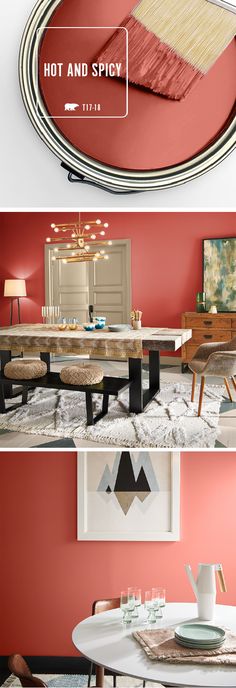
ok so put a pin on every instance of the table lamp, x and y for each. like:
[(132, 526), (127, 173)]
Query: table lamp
[(15, 289)]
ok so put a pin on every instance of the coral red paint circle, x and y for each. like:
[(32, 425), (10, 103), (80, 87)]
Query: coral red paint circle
[(157, 132)]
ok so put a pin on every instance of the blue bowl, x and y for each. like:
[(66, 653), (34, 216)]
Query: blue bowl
[(89, 327), (100, 325)]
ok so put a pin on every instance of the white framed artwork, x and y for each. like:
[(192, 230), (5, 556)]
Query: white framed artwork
[(128, 495)]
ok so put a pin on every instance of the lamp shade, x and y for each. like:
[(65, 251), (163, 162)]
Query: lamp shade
[(15, 287)]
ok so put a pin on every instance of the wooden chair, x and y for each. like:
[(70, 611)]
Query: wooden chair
[(98, 607), (214, 359), (18, 666)]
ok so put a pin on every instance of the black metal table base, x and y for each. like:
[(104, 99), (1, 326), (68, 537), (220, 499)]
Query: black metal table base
[(140, 399)]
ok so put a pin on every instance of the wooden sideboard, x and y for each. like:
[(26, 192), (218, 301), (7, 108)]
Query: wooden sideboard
[(206, 327)]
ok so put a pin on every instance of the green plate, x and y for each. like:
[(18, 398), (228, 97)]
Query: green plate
[(200, 633), (197, 646)]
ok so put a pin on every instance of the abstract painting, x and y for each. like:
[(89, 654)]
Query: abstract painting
[(219, 273), (128, 495)]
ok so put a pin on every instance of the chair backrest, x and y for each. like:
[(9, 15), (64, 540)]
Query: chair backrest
[(19, 667), (105, 605)]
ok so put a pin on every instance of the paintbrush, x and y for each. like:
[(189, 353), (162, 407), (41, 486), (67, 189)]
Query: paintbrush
[(171, 43)]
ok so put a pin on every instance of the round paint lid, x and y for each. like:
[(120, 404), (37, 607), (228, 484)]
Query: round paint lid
[(159, 143), (157, 132)]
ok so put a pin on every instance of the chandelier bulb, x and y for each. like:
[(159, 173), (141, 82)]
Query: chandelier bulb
[(55, 249), (52, 226), (68, 245), (98, 222), (93, 236), (56, 229), (106, 224), (102, 232), (86, 226), (53, 257), (109, 243), (48, 240), (106, 257), (64, 260)]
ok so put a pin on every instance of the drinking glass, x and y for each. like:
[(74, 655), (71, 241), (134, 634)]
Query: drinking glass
[(126, 607), (136, 592), (131, 602), (156, 603), (148, 603), (62, 324), (72, 324), (162, 596)]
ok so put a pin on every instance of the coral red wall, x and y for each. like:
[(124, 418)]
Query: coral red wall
[(49, 580), (166, 257)]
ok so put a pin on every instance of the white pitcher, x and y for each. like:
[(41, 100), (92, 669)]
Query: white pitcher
[(204, 588)]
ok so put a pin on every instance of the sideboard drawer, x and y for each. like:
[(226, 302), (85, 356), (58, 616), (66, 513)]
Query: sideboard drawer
[(203, 336), (205, 321)]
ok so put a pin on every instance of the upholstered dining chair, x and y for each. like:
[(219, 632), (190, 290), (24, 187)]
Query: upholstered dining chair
[(19, 667), (214, 358), (98, 607)]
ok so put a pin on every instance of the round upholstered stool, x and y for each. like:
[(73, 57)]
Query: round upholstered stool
[(82, 374), (25, 369)]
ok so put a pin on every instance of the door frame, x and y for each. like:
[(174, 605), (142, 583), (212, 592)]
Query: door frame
[(48, 248)]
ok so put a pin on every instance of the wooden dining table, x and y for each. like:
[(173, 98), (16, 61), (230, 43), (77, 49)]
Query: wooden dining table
[(128, 345), (108, 643)]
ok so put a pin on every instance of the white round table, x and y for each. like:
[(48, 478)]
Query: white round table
[(105, 641)]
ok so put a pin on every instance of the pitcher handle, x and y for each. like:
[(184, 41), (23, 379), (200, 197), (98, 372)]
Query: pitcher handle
[(221, 578)]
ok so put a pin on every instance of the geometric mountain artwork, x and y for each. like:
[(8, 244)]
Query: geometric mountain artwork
[(129, 478)]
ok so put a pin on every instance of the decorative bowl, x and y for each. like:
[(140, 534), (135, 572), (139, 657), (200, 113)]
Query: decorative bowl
[(119, 327), (100, 325), (89, 327)]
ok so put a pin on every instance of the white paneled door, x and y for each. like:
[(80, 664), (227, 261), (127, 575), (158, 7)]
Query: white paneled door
[(103, 285)]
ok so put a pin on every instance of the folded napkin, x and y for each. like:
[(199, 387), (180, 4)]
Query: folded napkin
[(161, 645)]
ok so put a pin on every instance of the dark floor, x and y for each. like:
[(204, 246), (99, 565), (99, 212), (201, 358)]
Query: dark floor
[(49, 665)]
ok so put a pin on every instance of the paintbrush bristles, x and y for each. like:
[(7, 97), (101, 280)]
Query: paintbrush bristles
[(196, 30)]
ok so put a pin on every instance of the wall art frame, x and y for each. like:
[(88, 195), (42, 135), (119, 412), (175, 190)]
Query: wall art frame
[(102, 509), (218, 281)]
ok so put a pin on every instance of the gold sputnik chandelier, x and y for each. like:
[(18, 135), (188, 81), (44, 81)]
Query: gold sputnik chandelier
[(83, 241)]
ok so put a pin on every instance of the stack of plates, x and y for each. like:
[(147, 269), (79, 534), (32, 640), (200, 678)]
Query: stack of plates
[(199, 636), (119, 328)]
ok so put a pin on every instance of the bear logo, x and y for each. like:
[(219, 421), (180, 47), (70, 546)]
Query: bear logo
[(71, 106)]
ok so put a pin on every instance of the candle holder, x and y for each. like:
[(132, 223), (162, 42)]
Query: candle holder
[(50, 314)]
